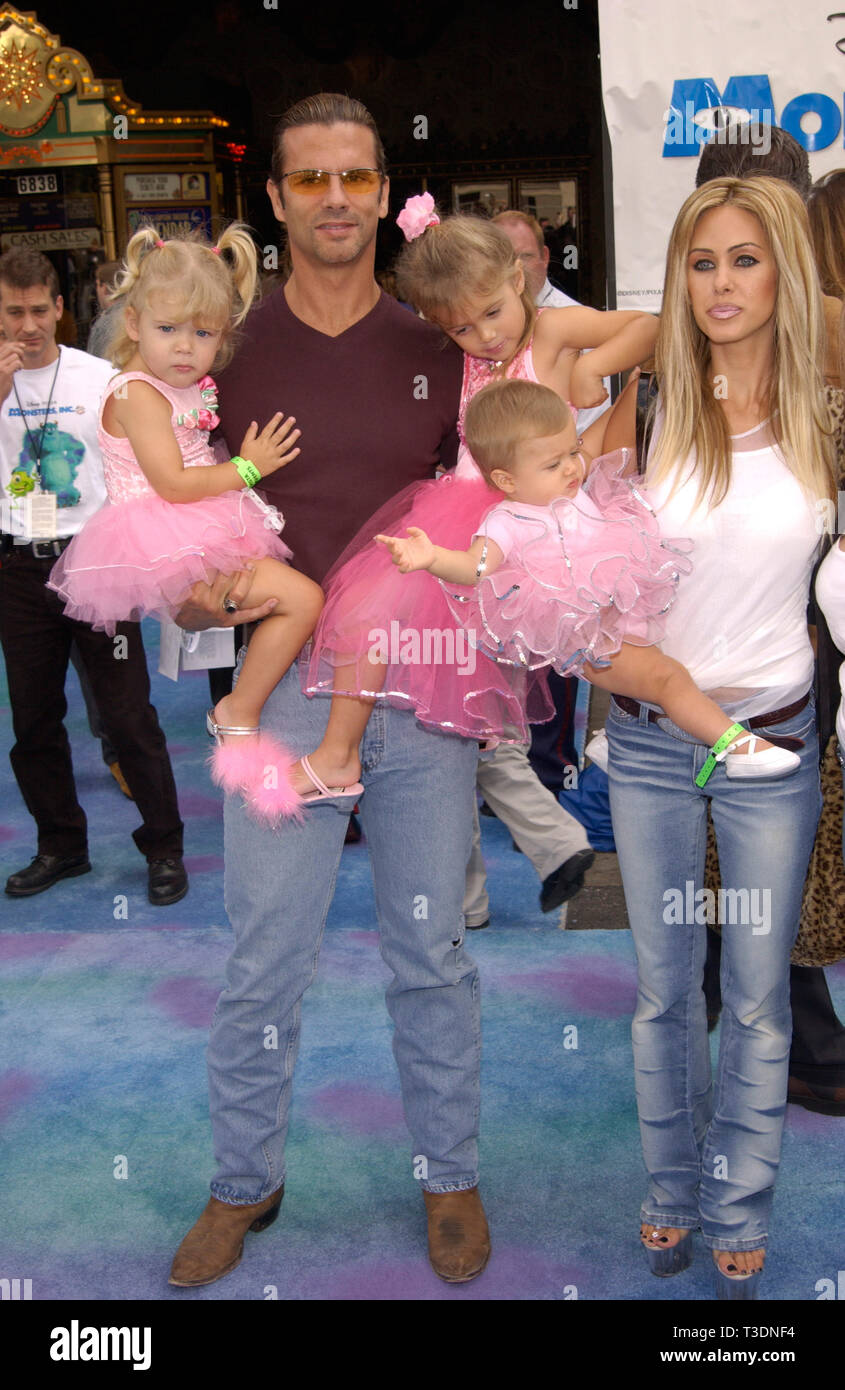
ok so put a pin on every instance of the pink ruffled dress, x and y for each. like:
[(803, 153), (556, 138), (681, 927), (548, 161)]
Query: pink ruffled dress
[(405, 621), (139, 554), (579, 577)]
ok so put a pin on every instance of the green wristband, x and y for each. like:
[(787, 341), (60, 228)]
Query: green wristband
[(247, 470), (713, 756)]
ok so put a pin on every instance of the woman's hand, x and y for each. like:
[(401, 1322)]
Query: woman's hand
[(586, 387), (273, 447), (415, 552)]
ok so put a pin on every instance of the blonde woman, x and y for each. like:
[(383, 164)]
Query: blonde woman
[(739, 461)]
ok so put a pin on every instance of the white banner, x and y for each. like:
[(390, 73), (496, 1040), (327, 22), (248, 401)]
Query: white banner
[(666, 64)]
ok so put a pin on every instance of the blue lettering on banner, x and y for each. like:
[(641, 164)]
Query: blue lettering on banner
[(752, 95)]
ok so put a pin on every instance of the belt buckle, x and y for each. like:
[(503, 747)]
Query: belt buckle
[(44, 555)]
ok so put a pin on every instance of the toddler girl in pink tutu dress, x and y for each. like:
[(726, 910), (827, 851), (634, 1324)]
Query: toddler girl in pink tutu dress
[(470, 660), (175, 516)]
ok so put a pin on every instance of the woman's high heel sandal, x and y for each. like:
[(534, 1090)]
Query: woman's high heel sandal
[(259, 769), (672, 1259), (735, 1286), (770, 762)]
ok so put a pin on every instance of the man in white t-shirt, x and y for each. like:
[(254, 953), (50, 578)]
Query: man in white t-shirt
[(51, 481)]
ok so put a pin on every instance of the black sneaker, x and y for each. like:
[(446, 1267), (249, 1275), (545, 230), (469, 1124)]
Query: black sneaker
[(566, 880)]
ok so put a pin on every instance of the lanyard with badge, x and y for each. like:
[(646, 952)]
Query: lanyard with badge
[(36, 508)]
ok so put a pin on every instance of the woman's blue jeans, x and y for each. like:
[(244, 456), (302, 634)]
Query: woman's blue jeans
[(711, 1153)]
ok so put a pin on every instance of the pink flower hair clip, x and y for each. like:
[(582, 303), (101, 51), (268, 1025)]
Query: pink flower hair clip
[(417, 214)]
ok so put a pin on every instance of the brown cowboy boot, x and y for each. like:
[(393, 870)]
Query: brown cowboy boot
[(213, 1247), (458, 1236)]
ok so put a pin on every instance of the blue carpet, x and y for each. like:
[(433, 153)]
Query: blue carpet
[(103, 1018)]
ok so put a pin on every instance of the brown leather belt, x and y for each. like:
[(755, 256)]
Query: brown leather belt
[(759, 721)]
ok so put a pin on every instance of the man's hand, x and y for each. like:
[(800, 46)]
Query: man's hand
[(414, 553), (11, 361), (203, 606)]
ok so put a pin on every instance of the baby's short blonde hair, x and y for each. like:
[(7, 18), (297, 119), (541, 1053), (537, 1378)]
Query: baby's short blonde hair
[(507, 413)]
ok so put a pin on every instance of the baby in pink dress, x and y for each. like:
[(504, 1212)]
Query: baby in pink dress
[(573, 576)]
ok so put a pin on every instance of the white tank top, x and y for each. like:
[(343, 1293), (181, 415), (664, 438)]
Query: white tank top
[(739, 623)]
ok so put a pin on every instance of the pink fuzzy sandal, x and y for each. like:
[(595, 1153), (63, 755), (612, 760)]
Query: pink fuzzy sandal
[(260, 770)]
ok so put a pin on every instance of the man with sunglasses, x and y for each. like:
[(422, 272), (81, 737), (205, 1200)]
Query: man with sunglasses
[(376, 397)]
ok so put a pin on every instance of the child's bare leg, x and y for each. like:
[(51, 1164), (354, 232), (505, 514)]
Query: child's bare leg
[(276, 642), (645, 673), (337, 759)]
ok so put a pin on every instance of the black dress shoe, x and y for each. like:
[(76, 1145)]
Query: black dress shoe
[(44, 871), (566, 880), (168, 881)]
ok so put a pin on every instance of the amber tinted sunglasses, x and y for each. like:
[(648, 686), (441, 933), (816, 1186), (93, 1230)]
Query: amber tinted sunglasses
[(317, 180)]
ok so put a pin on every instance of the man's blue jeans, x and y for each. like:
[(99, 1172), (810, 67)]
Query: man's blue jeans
[(712, 1158), (417, 815)]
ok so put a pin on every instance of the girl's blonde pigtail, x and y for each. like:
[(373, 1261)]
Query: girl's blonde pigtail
[(243, 265), (144, 241)]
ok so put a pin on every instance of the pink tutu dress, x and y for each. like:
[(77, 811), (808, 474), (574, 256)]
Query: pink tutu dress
[(579, 577), (404, 622), (432, 665), (139, 554)]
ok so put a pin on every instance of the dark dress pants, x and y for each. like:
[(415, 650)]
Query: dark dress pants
[(553, 744), (36, 638)]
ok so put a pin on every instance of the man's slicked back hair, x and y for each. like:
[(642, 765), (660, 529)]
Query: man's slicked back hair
[(324, 108)]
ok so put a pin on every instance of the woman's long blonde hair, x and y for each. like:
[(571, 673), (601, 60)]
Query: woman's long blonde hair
[(693, 419), (462, 255), (215, 286)]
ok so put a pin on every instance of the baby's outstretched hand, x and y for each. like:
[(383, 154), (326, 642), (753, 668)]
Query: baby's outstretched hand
[(273, 447), (413, 552), (586, 388)]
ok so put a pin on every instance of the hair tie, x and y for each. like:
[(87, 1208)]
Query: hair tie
[(216, 250), (159, 242), (417, 214)]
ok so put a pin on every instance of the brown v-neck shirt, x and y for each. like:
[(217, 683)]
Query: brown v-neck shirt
[(377, 407)]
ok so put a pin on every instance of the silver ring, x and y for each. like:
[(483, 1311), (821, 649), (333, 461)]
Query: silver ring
[(229, 606)]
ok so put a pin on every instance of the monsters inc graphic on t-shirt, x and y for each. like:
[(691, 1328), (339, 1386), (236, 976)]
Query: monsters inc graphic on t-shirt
[(61, 456), (48, 441)]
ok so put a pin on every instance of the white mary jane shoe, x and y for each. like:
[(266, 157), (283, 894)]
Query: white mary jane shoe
[(771, 762), (597, 749)]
